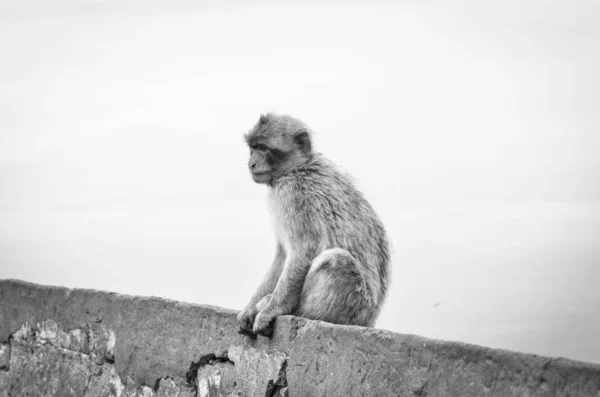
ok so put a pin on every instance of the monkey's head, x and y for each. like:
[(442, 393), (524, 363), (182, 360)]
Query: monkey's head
[(278, 145)]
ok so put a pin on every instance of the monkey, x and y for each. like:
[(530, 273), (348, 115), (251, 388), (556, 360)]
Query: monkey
[(332, 253)]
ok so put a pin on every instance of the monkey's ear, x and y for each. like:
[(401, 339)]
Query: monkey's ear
[(263, 119), (302, 140)]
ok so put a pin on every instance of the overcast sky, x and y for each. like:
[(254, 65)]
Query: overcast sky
[(472, 127)]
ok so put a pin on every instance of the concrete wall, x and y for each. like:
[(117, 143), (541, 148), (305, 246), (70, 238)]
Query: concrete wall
[(71, 342)]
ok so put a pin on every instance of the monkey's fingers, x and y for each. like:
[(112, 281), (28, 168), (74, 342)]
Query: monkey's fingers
[(246, 332), (263, 325), (266, 331)]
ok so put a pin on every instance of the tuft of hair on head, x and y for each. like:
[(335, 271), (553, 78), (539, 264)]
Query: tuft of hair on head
[(255, 132), (288, 126)]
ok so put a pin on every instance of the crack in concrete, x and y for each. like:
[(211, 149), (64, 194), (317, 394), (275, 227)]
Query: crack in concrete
[(279, 387), (207, 359), (87, 384)]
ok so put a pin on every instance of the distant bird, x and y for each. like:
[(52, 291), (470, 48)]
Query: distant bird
[(436, 305)]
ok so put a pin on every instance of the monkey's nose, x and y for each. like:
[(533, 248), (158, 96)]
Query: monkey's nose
[(252, 166)]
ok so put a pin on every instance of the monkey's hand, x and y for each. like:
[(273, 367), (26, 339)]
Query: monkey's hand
[(263, 323), (246, 320)]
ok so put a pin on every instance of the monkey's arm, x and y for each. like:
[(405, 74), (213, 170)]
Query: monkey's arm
[(270, 280), (304, 230), (286, 296), (246, 317)]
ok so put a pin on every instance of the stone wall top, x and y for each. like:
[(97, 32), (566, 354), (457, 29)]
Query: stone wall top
[(154, 339)]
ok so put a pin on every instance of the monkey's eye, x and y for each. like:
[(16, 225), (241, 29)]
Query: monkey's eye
[(260, 147)]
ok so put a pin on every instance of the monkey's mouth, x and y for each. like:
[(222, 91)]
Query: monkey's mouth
[(260, 173), (261, 177)]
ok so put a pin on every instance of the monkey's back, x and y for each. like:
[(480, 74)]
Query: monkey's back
[(324, 201)]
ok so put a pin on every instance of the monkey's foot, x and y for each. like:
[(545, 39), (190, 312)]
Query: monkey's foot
[(263, 324)]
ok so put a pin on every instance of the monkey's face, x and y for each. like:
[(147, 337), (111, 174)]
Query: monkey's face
[(278, 145), (261, 163)]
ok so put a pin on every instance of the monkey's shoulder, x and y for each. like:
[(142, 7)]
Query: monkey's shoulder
[(320, 185), (314, 180)]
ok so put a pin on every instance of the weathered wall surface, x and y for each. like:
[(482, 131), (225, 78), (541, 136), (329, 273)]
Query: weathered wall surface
[(70, 342)]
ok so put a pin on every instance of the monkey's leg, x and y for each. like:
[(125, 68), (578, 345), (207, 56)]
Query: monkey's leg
[(263, 302), (335, 290)]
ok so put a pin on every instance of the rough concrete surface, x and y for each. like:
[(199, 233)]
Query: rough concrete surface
[(56, 341)]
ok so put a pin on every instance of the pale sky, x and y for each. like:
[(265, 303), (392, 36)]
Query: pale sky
[(472, 127)]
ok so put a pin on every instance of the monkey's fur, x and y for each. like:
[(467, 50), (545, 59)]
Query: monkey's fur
[(332, 260)]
